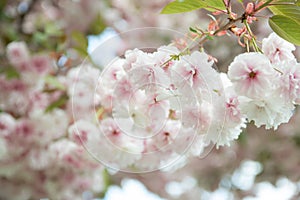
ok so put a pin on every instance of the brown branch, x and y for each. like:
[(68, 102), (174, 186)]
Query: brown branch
[(224, 28)]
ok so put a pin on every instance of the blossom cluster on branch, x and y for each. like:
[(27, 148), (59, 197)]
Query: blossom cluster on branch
[(143, 112), (60, 126), (153, 106), (38, 158), (267, 84)]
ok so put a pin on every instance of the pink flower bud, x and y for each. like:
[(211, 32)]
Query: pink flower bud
[(250, 8)]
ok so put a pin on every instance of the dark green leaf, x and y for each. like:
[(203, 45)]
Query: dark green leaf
[(243, 138), (286, 27), (10, 72), (97, 26), (193, 30), (81, 52), (296, 139), (209, 37), (80, 39), (2, 5), (58, 103), (81, 43)]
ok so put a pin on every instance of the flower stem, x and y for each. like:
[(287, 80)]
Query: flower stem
[(253, 40)]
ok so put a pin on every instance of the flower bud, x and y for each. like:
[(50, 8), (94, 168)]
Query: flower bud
[(250, 8)]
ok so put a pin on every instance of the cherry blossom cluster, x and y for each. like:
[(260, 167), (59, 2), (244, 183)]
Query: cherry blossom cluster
[(120, 16), (268, 84), (38, 156), (71, 15), (142, 112), (152, 110)]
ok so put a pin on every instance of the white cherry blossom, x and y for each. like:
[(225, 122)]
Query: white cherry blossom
[(252, 75), (277, 49)]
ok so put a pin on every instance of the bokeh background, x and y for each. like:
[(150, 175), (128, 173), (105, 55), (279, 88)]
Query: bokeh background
[(261, 164)]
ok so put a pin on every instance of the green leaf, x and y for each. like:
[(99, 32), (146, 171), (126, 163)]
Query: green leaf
[(80, 39), (214, 4), (52, 29), (291, 11), (193, 30), (180, 6), (2, 5), (51, 80), (58, 103), (295, 2), (107, 182), (10, 72), (40, 37), (286, 27), (81, 43), (286, 1), (209, 37), (81, 52), (97, 26), (243, 137), (296, 139)]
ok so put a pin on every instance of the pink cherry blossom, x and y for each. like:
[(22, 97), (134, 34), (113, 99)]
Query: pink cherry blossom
[(290, 81), (40, 64), (130, 58), (18, 54), (113, 72), (196, 70), (147, 75), (37, 140), (49, 126), (126, 150), (83, 132), (166, 137), (252, 74), (271, 111), (124, 88), (277, 49), (198, 117), (39, 159), (143, 112), (7, 124)]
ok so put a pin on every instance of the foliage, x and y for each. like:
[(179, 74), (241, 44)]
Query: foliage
[(286, 27), (285, 22), (179, 6)]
